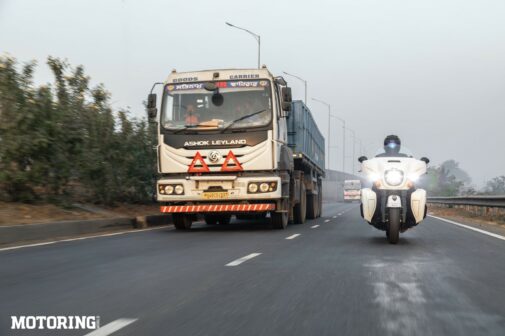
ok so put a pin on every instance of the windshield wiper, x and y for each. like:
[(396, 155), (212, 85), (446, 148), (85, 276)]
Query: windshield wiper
[(185, 128), (241, 118)]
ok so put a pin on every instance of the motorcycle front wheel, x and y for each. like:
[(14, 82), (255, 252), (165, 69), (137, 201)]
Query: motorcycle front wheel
[(393, 232)]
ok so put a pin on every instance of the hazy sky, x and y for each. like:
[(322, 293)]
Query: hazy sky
[(431, 71)]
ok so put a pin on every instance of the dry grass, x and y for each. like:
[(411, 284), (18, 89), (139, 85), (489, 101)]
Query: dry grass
[(463, 214), (20, 213)]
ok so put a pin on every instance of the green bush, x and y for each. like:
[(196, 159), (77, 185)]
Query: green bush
[(63, 142)]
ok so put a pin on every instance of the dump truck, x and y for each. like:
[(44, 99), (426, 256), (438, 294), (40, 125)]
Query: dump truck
[(232, 142)]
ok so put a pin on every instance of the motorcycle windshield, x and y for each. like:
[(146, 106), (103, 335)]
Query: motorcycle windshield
[(393, 152)]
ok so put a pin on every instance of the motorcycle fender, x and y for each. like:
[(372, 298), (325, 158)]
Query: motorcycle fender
[(394, 202), (418, 204), (369, 203)]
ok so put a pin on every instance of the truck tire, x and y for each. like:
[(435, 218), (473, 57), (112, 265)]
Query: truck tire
[(280, 219), (182, 222), (393, 230), (312, 206), (300, 210)]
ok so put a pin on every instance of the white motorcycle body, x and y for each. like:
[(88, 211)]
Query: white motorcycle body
[(394, 181)]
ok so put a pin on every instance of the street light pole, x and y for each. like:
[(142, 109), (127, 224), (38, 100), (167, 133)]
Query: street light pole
[(329, 119), (354, 139), (304, 82), (256, 37)]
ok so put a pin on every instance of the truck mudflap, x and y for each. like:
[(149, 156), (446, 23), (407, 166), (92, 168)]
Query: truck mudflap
[(256, 207)]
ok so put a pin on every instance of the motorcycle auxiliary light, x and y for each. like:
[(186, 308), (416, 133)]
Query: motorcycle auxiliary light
[(393, 177)]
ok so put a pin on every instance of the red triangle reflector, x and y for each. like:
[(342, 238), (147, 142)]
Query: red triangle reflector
[(236, 165), (198, 159)]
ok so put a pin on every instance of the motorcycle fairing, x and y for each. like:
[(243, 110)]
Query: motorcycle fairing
[(418, 204)]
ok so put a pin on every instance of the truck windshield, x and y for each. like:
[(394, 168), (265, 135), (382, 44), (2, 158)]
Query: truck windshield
[(236, 104)]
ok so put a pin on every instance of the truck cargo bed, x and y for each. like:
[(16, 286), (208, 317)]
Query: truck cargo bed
[(304, 136)]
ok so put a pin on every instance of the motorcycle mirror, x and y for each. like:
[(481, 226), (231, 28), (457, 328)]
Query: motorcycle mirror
[(425, 159), (363, 158)]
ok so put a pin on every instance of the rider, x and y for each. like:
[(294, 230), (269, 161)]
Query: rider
[(392, 145)]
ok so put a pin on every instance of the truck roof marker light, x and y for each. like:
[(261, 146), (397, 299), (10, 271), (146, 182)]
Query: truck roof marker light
[(198, 159), (231, 157)]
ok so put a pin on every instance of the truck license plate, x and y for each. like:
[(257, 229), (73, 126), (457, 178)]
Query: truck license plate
[(215, 195)]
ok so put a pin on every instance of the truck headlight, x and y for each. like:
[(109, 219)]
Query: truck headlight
[(393, 177), (264, 187), (169, 189), (179, 189), (252, 188), (261, 187)]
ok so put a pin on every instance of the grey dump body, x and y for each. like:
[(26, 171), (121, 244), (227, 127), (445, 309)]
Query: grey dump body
[(304, 137)]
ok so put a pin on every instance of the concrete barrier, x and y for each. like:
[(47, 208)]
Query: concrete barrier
[(45, 231)]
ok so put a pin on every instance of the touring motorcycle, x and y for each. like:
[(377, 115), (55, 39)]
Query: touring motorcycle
[(393, 203)]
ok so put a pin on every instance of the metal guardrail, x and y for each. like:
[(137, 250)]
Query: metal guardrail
[(481, 201)]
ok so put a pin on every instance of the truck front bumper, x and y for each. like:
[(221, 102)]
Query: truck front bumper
[(222, 207), (232, 190)]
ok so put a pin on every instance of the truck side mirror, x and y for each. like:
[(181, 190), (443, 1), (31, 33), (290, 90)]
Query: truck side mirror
[(286, 95), (286, 100), (151, 106), (425, 159), (286, 107), (362, 158)]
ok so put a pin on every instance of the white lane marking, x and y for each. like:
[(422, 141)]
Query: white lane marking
[(334, 217), (293, 236), (243, 259), (111, 327), (82, 238), (470, 227), (314, 226), (326, 220), (340, 214)]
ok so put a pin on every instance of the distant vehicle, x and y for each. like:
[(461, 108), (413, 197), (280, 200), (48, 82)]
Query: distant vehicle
[(393, 204), (352, 190), (232, 142)]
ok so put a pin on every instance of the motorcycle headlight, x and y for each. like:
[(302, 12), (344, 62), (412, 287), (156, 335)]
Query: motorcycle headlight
[(414, 177), (373, 177), (393, 177)]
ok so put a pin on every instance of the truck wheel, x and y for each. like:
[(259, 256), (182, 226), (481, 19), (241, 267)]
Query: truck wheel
[(300, 210), (182, 222), (312, 206), (393, 232), (280, 219)]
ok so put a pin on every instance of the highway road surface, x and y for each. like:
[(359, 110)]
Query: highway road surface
[(332, 276)]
